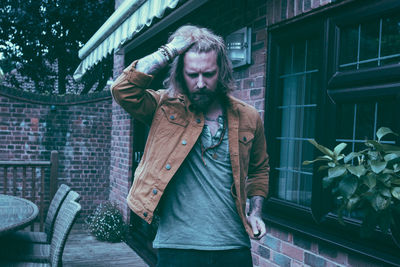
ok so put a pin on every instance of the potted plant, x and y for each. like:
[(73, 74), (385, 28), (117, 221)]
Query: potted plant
[(367, 181), (106, 223)]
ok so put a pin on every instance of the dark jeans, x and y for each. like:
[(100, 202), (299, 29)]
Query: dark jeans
[(204, 258)]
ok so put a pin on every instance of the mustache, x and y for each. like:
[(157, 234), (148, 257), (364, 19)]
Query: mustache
[(202, 91)]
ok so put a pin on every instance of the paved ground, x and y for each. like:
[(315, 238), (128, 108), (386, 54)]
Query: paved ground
[(82, 249)]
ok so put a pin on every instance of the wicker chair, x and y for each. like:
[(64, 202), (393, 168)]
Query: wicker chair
[(35, 254), (43, 237)]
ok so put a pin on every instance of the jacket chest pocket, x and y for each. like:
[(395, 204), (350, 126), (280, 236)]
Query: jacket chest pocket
[(246, 138), (175, 114), (245, 145)]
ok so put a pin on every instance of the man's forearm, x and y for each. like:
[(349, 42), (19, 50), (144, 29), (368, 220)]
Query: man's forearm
[(256, 204), (152, 63)]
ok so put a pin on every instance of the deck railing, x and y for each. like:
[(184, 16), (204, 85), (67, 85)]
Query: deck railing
[(33, 180)]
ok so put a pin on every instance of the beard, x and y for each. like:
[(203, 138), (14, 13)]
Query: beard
[(202, 100)]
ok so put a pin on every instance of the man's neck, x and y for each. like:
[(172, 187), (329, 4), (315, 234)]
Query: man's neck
[(214, 111)]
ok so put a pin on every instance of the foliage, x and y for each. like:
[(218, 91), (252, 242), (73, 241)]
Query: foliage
[(106, 223), (366, 181), (41, 39)]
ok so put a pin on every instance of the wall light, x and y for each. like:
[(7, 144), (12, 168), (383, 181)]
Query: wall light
[(238, 44)]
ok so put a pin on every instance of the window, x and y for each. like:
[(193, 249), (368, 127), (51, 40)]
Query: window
[(334, 78), (297, 108)]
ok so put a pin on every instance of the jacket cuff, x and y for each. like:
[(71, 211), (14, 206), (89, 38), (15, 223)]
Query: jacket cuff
[(139, 79), (257, 192)]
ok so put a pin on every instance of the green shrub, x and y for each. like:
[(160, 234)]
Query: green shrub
[(106, 223), (366, 180)]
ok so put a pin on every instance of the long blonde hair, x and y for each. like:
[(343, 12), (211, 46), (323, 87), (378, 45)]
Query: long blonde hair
[(205, 41)]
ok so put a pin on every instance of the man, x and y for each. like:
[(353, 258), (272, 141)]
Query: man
[(205, 153)]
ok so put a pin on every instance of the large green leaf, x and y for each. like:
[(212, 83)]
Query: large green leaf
[(336, 171), (339, 148), (321, 158), (386, 170), (382, 147), (377, 166), (357, 170), (384, 131), (392, 156), (370, 180), (370, 193), (351, 156), (373, 155), (396, 182), (378, 202), (348, 185), (385, 192), (385, 178), (396, 167), (396, 192), (321, 148), (352, 202)]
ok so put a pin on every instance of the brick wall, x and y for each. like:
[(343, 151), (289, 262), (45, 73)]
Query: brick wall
[(78, 127), (282, 248), (121, 146)]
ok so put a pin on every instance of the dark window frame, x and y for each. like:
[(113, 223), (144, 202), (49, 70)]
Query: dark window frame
[(336, 86)]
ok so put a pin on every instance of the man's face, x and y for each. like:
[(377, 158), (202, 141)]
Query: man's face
[(200, 71)]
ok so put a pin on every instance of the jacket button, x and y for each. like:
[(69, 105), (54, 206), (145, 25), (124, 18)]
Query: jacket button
[(172, 117), (168, 167), (145, 214), (198, 120), (155, 191), (184, 142)]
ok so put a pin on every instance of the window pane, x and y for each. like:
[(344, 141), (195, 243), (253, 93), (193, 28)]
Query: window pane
[(286, 66), (365, 121), (313, 52), (345, 121), (390, 44), (348, 46), (298, 84), (370, 44), (386, 116), (299, 51)]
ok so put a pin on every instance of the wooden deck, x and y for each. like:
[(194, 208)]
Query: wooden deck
[(82, 249)]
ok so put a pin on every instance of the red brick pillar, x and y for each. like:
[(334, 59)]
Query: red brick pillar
[(121, 146)]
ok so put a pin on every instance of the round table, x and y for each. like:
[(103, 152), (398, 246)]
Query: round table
[(15, 213)]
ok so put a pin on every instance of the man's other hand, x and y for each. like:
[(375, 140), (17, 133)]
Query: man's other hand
[(258, 226)]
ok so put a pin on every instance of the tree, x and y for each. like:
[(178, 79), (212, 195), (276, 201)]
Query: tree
[(42, 39)]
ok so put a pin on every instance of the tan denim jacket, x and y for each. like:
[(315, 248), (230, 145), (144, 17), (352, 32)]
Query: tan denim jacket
[(173, 132)]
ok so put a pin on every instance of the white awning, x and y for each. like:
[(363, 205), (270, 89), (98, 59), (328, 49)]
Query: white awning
[(129, 19)]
